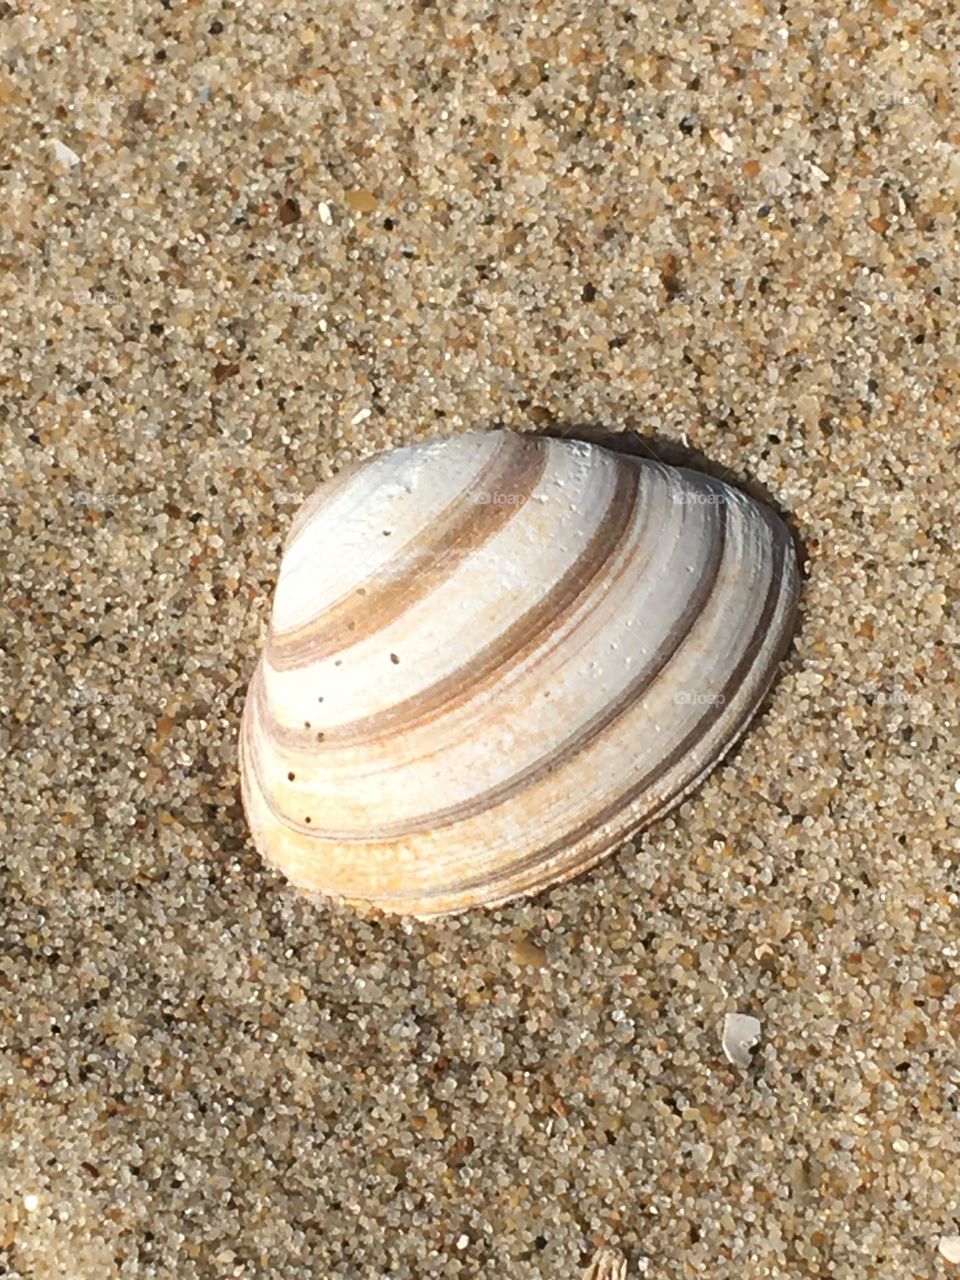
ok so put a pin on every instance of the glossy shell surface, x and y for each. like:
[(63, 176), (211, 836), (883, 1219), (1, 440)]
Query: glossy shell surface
[(494, 656)]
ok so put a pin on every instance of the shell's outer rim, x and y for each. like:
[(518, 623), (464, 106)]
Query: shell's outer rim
[(324, 487), (625, 829), (626, 824)]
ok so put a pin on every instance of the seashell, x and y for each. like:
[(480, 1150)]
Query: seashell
[(492, 657), (607, 1264), (741, 1032)]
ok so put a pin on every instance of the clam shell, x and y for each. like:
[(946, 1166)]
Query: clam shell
[(492, 657)]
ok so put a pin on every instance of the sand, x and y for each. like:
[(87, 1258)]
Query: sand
[(245, 244)]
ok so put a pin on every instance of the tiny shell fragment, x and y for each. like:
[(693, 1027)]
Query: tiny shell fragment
[(740, 1033), (607, 1264), (950, 1249), (63, 154)]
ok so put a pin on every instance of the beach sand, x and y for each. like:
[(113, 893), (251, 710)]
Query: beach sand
[(245, 244)]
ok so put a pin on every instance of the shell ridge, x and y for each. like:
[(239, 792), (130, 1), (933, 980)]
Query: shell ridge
[(425, 563), (437, 521), (598, 822), (605, 546), (654, 612), (564, 751)]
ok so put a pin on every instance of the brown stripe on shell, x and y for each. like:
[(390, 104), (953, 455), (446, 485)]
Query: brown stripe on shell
[(455, 533), (564, 751), (492, 663), (588, 855)]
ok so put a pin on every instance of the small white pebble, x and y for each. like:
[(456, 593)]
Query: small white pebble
[(362, 416), (62, 153), (463, 1242), (30, 1202), (324, 214), (950, 1248), (740, 1033)]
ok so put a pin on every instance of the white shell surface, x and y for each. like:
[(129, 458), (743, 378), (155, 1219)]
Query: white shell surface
[(493, 656), (741, 1032)]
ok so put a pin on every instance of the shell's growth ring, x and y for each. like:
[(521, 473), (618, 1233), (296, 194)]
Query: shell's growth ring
[(492, 657)]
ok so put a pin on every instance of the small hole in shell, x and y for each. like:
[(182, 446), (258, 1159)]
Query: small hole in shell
[(386, 533), (320, 698), (306, 819), (306, 724), (320, 737), (393, 658), (292, 777)]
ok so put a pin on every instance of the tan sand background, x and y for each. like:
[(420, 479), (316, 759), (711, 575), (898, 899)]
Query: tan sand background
[(281, 237)]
